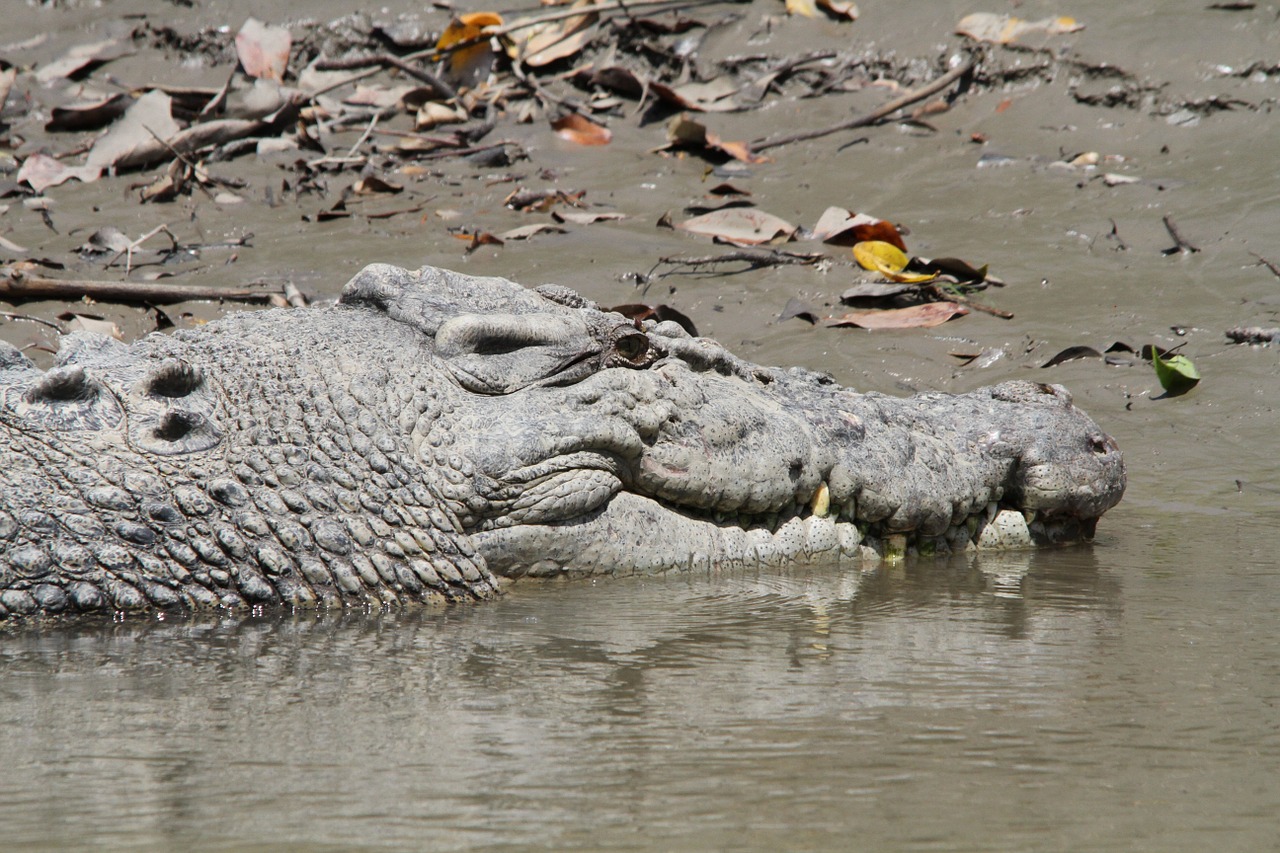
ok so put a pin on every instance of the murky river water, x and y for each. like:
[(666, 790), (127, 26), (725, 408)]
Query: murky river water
[(1121, 696)]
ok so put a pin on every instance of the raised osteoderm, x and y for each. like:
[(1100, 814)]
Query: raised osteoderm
[(434, 432)]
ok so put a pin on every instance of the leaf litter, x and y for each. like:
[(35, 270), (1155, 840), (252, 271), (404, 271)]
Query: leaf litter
[(454, 90)]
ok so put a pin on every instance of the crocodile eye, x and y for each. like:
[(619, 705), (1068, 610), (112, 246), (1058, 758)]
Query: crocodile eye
[(632, 347)]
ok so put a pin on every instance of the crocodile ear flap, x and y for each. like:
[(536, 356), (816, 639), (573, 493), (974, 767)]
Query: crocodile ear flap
[(503, 353)]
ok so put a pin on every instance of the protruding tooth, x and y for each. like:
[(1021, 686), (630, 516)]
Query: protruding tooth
[(820, 505)]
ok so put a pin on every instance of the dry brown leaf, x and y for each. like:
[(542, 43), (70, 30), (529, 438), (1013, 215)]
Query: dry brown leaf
[(581, 130), (373, 185), (556, 40), (712, 96), (263, 50), (133, 140), (917, 316), (743, 226), (87, 116), (40, 171)]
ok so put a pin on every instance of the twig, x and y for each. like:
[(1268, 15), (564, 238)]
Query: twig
[(385, 60), (875, 115), (525, 23), (127, 251), (1181, 245), (951, 296), (32, 287), (12, 317), (1268, 264)]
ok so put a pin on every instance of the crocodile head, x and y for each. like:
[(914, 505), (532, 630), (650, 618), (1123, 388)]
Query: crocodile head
[(574, 440)]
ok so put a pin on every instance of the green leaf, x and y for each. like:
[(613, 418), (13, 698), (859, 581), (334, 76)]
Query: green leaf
[(1177, 374)]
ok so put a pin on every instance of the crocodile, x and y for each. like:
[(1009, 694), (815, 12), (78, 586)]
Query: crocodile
[(433, 436)]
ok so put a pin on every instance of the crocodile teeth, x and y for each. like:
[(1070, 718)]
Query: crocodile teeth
[(820, 505)]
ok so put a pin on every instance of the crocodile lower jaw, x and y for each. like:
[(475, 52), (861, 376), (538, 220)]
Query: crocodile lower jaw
[(638, 535)]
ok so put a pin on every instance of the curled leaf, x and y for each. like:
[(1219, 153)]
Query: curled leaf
[(1177, 373), (888, 260), (577, 128), (842, 227)]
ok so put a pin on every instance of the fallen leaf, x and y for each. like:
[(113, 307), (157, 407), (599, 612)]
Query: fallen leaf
[(840, 9), (87, 116), (524, 232), (263, 50), (1112, 179), (82, 58), (960, 270), (917, 316), (841, 227), (375, 186), (1003, 29), (434, 113), (40, 171), (557, 40), (1177, 373), (888, 260), (876, 290), (1072, 353), (468, 66), (808, 8), (659, 313), (148, 119), (583, 217), (97, 325), (744, 226), (796, 308), (684, 132), (712, 96), (581, 130)]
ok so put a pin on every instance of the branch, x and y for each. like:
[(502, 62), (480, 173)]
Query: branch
[(18, 286), (875, 115)]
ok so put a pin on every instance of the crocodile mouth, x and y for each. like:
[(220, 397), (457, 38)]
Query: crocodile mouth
[(633, 533)]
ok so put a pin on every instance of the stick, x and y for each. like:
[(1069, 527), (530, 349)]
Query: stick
[(948, 296), (1266, 263), (20, 286), (875, 115), (1181, 245)]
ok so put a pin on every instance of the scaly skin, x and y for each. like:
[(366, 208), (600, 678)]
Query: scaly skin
[(434, 433)]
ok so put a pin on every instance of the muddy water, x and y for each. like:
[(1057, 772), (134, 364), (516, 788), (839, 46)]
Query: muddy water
[(1116, 697)]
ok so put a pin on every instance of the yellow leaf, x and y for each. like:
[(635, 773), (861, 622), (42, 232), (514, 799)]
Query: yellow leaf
[(888, 260), (879, 256), (909, 277), (808, 8)]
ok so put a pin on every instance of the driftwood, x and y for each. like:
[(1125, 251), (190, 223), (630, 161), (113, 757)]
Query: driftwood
[(20, 287)]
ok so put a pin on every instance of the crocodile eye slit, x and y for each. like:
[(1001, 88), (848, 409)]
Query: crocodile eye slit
[(632, 347)]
